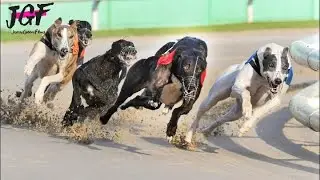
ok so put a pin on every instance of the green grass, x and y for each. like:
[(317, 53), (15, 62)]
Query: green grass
[(7, 36)]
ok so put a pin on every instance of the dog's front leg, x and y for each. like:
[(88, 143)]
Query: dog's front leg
[(240, 90), (185, 108), (243, 95), (258, 113), (44, 83)]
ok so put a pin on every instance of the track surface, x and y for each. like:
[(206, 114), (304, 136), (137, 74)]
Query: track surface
[(277, 148)]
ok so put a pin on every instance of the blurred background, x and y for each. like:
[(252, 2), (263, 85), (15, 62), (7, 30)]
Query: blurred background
[(124, 14)]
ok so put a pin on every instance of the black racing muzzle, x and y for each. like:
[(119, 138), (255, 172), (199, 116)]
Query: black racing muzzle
[(128, 52), (190, 85), (85, 37)]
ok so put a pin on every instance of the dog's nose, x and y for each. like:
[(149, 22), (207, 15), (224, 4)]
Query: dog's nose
[(64, 50), (277, 81)]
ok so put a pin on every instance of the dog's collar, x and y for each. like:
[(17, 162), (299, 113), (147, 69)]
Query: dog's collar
[(289, 77), (46, 40), (254, 62)]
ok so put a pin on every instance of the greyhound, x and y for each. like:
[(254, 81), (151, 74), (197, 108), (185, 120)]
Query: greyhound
[(97, 80), (257, 84), (186, 60), (53, 59)]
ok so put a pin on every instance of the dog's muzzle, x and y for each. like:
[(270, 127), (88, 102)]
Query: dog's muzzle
[(274, 85), (190, 86), (128, 54), (85, 37), (63, 52)]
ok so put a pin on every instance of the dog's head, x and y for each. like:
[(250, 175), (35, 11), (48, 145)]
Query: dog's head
[(64, 37), (190, 63), (275, 65), (84, 32), (125, 51)]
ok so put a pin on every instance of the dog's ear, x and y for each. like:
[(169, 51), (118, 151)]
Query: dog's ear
[(58, 22), (203, 51), (285, 52), (116, 47), (178, 53), (267, 52), (71, 21), (74, 24)]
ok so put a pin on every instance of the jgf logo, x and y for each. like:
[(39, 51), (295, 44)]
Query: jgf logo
[(30, 15)]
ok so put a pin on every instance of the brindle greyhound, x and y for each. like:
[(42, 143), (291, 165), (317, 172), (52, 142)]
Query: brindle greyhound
[(184, 59), (54, 60)]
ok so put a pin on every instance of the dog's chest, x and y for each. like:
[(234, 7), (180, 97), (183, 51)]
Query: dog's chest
[(258, 85)]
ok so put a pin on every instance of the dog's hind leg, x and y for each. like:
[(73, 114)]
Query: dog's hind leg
[(233, 114), (136, 80), (125, 93), (91, 111), (142, 101)]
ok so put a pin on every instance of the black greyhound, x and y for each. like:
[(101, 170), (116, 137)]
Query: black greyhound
[(188, 65), (85, 36), (97, 80)]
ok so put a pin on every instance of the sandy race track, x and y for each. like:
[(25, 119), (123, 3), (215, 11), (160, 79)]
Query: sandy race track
[(133, 145)]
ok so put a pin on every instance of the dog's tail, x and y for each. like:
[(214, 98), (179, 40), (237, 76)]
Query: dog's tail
[(295, 87)]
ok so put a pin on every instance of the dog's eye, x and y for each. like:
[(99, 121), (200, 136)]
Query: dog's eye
[(272, 65), (71, 36), (59, 34)]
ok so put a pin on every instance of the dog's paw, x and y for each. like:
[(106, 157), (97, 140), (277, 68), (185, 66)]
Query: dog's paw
[(171, 130), (18, 93), (242, 132), (245, 128), (38, 100), (188, 137), (66, 123), (169, 139), (153, 104), (165, 111)]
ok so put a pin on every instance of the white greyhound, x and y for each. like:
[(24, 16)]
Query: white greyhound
[(257, 84), (53, 59)]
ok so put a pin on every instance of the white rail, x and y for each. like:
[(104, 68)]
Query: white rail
[(304, 106)]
